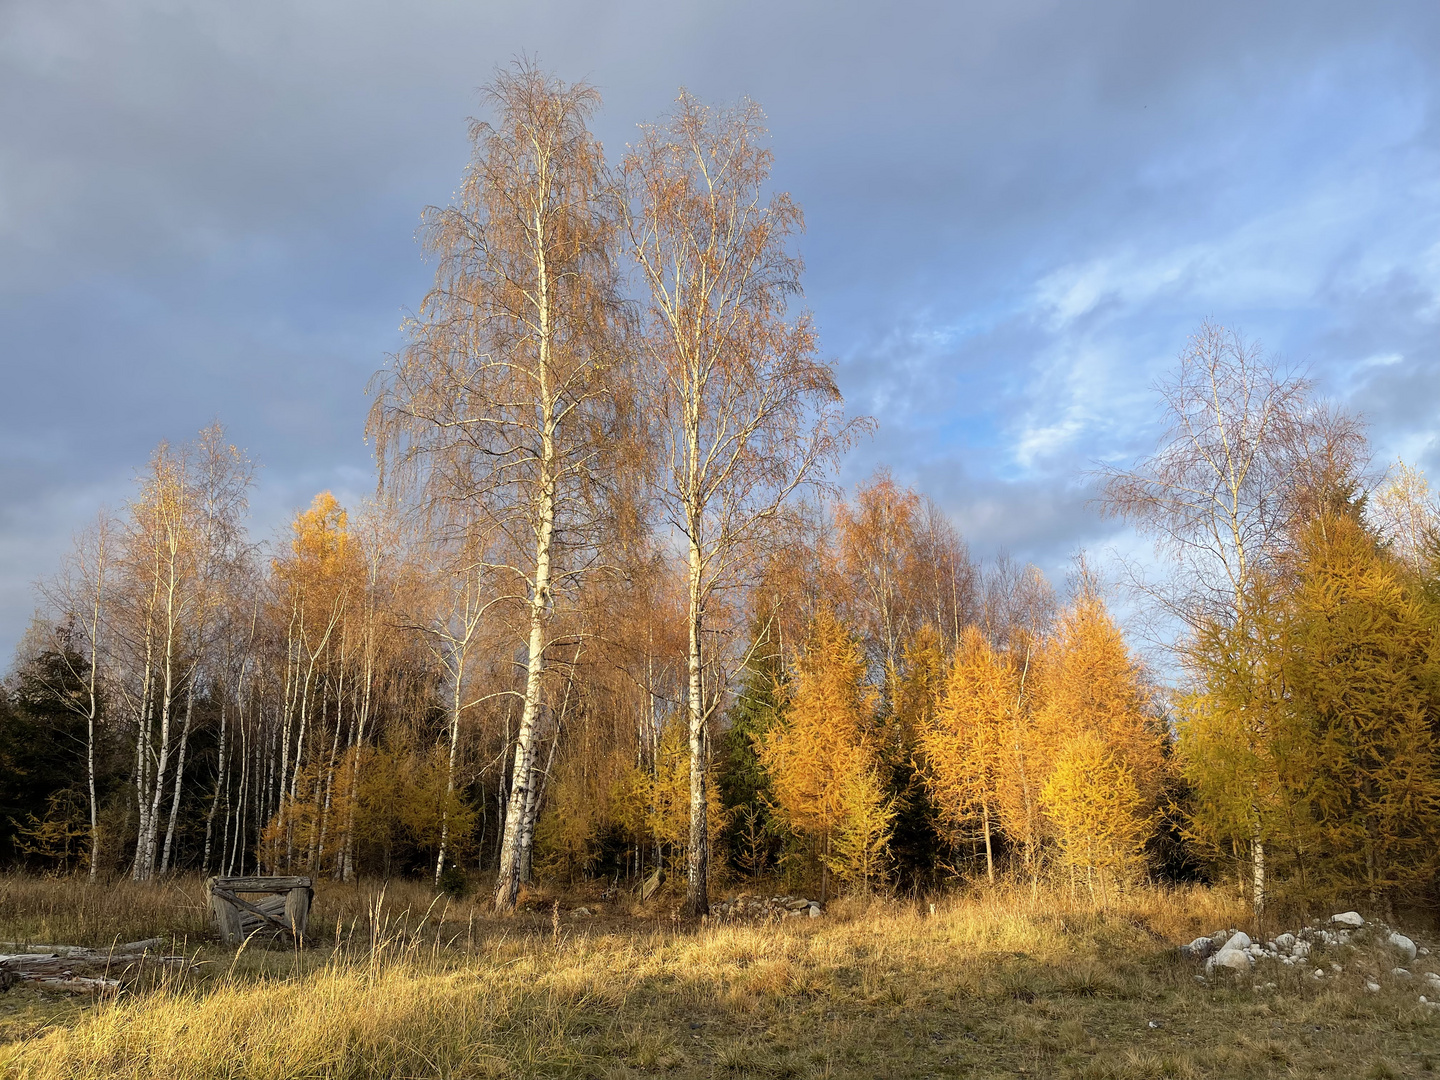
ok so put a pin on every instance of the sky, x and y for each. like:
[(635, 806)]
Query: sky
[(1017, 210)]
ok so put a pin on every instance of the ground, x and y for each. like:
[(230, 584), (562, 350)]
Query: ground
[(1003, 983)]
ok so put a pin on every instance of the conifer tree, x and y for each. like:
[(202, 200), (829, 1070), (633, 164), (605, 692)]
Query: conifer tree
[(1097, 811), (966, 743), (1361, 672), (827, 738)]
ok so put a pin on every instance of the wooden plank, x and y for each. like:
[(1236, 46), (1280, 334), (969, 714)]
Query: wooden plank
[(262, 884), (297, 911), (225, 894), (223, 914)]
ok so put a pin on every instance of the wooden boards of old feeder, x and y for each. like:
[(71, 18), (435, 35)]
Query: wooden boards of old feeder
[(266, 907)]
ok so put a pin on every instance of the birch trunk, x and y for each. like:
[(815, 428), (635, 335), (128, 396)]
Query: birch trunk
[(507, 885), (179, 774), (697, 898)]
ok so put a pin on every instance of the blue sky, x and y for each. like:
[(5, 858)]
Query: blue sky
[(1016, 212)]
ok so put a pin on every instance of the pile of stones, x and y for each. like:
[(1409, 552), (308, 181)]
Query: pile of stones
[(750, 908), (1233, 951)]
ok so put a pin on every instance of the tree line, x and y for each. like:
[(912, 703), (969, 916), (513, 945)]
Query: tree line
[(607, 614)]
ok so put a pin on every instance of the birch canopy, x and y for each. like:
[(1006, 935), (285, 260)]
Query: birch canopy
[(498, 412), (743, 410)]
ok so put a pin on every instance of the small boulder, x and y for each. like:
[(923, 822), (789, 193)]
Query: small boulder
[(1351, 919), (1372, 987), (1231, 959), (1317, 974), (815, 911), (1432, 979), (1238, 940), (1202, 948), (1401, 973), (1285, 943), (1404, 944)]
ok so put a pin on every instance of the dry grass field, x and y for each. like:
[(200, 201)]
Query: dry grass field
[(401, 984)]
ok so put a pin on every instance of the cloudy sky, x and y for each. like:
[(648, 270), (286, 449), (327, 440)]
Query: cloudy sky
[(1017, 210)]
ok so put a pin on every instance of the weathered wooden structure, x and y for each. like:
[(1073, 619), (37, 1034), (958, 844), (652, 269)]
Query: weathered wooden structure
[(271, 907)]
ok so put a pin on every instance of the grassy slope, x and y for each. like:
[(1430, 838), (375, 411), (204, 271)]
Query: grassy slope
[(993, 986)]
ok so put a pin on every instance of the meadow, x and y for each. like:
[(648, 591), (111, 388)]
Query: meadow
[(399, 981)]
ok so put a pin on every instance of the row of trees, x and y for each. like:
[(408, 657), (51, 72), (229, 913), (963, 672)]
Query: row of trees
[(606, 616)]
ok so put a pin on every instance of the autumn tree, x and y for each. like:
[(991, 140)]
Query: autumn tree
[(1100, 742), (817, 756), (1245, 457), (78, 597), (1405, 514), (968, 743), (1098, 812), (1361, 673), (744, 412), (501, 400)]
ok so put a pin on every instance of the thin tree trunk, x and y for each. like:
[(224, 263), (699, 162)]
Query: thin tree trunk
[(459, 665), (179, 774), (512, 853), (697, 898), (222, 789), (989, 851)]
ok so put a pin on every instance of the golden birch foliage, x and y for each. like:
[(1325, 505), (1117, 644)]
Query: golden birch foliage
[(1360, 669), (826, 735), (967, 745), (1405, 513), (1098, 812)]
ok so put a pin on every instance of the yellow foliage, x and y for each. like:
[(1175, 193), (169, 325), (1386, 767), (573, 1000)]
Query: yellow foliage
[(825, 733), (1092, 684), (822, 760), (1098, 812), (968, 745)]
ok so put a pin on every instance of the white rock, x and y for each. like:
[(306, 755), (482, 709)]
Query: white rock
[(1199, 949), (1400, 973), (1372, 987), (814, 911), (1336, 967), (1317, 974), (1404, 944), (1351, 919), (1300, 949), (1285, 943), (1423, 952), (1433, 979), (1233, 959), (1238, 940)]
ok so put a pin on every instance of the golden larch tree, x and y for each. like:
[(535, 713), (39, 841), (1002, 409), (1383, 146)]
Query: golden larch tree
[(967, 743), (826, 739)]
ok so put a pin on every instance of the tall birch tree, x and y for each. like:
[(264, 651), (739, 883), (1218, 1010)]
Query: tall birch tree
[(744, 411), (500, 400)]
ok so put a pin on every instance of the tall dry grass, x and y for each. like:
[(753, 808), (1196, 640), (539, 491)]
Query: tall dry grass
[(995, 982)]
